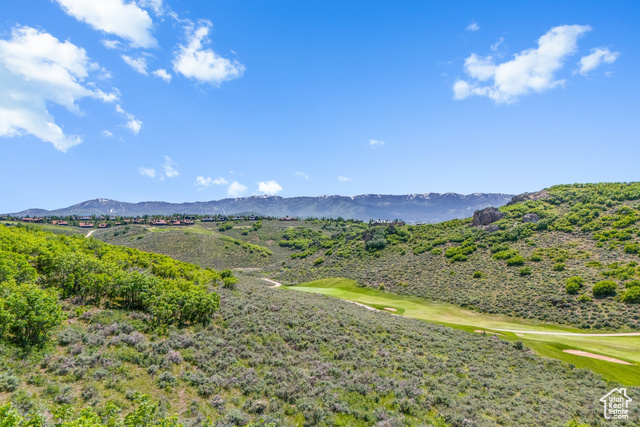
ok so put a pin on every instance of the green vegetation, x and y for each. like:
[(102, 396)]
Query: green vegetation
[(590, 230), (620, 347)]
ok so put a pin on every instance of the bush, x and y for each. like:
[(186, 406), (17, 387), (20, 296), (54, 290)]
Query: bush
[(515, 261), (318, 261), (573, 288), (9, 382), (477, 275), (632, 284), (631, 295), (525, 271), (604, 288), (535, 258), (559, 266)]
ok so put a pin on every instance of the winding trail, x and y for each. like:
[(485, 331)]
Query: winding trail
[(275, 284), (90, 233)]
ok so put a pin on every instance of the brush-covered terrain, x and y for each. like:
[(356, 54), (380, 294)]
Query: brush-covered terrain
[(566, 255), (95, 334)]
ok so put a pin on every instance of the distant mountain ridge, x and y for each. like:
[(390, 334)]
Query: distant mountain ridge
[(413, 208)]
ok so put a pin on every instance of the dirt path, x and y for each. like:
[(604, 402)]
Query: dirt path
[(90, 233), (596, 356), (362, 305), (275, 284), (573, 334)]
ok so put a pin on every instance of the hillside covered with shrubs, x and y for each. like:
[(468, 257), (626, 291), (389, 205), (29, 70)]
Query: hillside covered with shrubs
[(569, 255)]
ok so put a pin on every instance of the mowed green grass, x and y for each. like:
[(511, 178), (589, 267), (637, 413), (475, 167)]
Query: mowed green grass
[(626, 348)]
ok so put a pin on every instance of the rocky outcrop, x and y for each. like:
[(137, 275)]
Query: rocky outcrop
[(486, 216), (492, 228), (538, 195), (531, 217)]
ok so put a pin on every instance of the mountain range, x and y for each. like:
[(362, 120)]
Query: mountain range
[(412, 208)]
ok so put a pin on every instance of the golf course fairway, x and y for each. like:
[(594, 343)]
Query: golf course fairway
[(545, 339)]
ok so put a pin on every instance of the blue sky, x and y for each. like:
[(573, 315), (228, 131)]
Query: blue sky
[(185, 101)]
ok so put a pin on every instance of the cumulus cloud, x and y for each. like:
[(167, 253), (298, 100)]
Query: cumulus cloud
[(236, 189), (117, 17), (473, 27), (344, 178), (269, 187), (37, 69), (532, 70), (169, 168), (375, 143), (598, 56), (204, 65), (133, 124), (138, 64), (157, 6), (150, 172), (301, 174), (162, 73)]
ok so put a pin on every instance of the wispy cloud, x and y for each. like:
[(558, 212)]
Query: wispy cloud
[(473, 27), (344, 178), (269, 187), (169, 168), (203, 182), (106, 134), (138, 64), (133, 124), (117, 17), (494, 47), (532, 70), (204, 65), (150, 172), (598, 56), (373, 143), (163, 74), (301, 174), (236, 189)]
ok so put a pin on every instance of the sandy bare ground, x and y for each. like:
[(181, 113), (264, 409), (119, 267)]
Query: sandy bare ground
[(596, 356), (275, 284), (90, 233), (574, 334), (390, 309), (480, 331), (362, 305)]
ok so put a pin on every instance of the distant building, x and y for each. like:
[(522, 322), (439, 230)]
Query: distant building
[(288, 218), (85, 225)]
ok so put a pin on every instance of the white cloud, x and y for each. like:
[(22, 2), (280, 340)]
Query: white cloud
[(220, 181), (162, 73), (204, 65), (156, 5), (598, 56), (203, 182), (269, 187), (532, 70), (236, 189), (112, 44), (473, 27), (301, 174), (169, 168), (138, 64), (106, 134), (344, 178), (375, 143), (133, 124), (150, 172), (496, 45), (123, 19), (37, 69)]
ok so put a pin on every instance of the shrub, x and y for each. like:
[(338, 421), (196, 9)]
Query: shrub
[(559, 266), (515, 261), (477, 275), (525, 271), (9, 382), (318, 261), (535, 258), (631, 295), (632, 284), (604, 288), (573, 288)]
